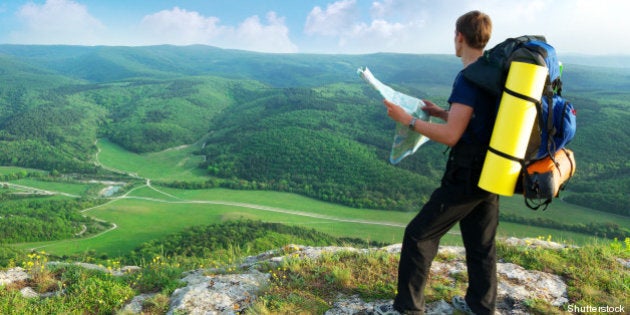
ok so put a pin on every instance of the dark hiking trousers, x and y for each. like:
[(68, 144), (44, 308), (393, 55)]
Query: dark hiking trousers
[(458, 199)]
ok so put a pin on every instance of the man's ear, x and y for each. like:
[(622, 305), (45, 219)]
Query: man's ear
[(459, 37)]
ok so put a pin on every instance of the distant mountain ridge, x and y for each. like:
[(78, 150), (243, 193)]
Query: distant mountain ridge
[(608, 61), (107, 63), (209, 60)]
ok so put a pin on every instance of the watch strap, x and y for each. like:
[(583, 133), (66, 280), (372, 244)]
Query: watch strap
[(412, 123)]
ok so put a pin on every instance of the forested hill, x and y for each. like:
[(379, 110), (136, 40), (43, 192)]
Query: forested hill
[(295, 122)]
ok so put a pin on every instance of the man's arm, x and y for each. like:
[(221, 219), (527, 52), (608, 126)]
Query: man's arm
[(448, 133)]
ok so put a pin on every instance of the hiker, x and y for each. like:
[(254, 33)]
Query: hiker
[(467, 129)]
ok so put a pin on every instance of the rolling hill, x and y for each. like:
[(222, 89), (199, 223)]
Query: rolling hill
[(291, 122)]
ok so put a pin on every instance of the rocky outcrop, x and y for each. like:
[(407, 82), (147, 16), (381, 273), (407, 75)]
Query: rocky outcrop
[(227, 294), (13, 275), (516, 286), (216, 292)]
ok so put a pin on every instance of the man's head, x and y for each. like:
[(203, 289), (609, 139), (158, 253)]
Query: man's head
[(475, 27)]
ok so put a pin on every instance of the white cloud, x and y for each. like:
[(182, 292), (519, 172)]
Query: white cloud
[(399, 9), (181, 27), (380, 9), (425, 26), (379, 35), (336, 19), (392, 25), (68, 22), (272, 37), (57, 22)]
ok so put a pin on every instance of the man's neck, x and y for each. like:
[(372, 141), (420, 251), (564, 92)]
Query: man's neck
[(471, 55)]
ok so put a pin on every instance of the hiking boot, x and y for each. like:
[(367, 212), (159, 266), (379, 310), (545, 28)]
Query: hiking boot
[(386, 309), (459, 303)]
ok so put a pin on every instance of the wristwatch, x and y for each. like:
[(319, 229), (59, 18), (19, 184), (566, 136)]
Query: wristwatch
[(412, 123)]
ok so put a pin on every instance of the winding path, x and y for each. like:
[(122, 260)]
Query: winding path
[(178, 200), (224, 203)]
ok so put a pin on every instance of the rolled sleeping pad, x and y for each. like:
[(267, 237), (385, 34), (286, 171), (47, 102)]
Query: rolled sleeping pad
[(512, 128)]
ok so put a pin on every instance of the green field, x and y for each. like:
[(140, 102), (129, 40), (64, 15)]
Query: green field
[(148, 212), (172, 164)]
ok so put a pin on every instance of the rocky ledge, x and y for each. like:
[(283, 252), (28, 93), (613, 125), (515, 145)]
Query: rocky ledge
[(213, 292), (232, 293)]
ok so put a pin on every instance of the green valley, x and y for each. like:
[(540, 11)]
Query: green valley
[(142, 211), (150, 141)]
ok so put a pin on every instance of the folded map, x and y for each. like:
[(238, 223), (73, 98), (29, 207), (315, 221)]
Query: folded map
[(406, 141)]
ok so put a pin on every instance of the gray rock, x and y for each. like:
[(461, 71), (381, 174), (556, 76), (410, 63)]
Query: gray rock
[(516, 285), (217, 294), (521, 284), (135, 306), (354, 305), (533, 243), (13, 275), (29, 293)]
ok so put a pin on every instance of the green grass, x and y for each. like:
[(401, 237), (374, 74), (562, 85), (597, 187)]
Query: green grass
[(149, 213), (141, 220), (592, 274), (300, 285), (561, 211), (179, 164), (72, 188), (143, 191), (172, 164), (593, 278), (5, 170)]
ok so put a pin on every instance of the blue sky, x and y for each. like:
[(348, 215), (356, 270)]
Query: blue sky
[(321, 26)]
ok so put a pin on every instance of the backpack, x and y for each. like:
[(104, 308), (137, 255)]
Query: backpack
[(555, 124)]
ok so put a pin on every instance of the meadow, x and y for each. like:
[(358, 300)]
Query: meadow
[(145, 211)]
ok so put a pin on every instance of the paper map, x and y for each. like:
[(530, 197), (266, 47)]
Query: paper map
[(406, 141)]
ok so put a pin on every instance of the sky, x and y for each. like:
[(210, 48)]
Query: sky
[(319, 26)]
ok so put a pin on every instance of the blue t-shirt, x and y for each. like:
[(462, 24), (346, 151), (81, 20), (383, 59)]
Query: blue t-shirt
[(484, 107)]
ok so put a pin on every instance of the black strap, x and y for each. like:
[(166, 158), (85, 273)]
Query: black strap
[(506, 156), (529, 203), (551, 131), (535, 206), (521, 96)]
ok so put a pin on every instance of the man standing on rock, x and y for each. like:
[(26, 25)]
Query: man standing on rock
[(467, 129)]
